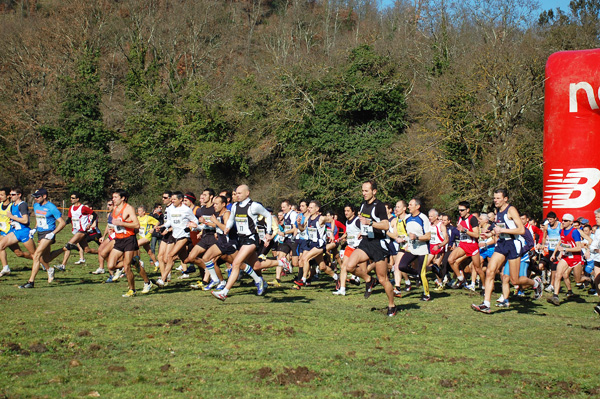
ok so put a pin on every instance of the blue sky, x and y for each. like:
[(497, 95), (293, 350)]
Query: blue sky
[(544, 4)]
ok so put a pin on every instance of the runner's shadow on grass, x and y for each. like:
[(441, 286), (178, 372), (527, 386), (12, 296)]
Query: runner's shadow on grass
[(75, 281), (288, 299), (399, 308), (524, 306)]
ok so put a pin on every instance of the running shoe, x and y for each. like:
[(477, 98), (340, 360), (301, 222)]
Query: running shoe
[(129, 294), (117, 275), (354, 280), (439, 288), (500, 299), (198, 286), (261, 287), (219, 295), (80, 262), (147, 287), (300, 283), (549, 289), (109, 279), (61, 268), (183, 276), (571, 294), (503, 304), (369, 288), (391, 312), (222, 285), (28, 284), (408, 287), (179, 268), (597, 309), (397, 293), (274, 283), (99, 271), (593, 292), (211, 285), (339, 292), (287, 266), (457, 284), (50, 274), (540, 288), (425, 298), (554, 300), (483, 308), (159, 282)]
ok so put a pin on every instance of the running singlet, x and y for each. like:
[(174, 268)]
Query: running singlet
[(147, 223), (553, 237), (121, 231), (204, 214), (569, 239), (316, 231), (19, 210), (467, 224), (504, 222), (418, 225), (79, 218), (4, 220), (353, 232), (45, 216), (302, 234), (376, 212), (401, 228), (289, 222), (436, 235)]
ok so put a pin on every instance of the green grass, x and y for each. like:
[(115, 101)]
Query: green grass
[(78, 337)]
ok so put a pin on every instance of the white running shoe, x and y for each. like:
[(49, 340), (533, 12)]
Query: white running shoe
[(147, 287), (159, 282), (180, 268), (221, 285), (50, 274), (5, 271), (80, 262), (62, 268), (117, 275), (99, 271), (339, 292), (183, 276)]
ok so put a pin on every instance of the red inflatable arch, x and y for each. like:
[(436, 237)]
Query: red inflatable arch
[(572, 134)]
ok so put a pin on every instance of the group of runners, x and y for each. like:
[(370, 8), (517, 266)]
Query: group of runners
[(379, 244)]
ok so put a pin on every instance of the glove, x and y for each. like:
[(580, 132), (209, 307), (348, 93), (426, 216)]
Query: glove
[(49, 236)]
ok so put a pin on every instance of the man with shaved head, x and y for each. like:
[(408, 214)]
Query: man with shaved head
[(245, 214)]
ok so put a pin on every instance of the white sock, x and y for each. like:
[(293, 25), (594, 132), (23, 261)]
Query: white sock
[(342, 289), (249, 271), (335, 277), (224, 291), (486, 303), (210, 267), (407, 282), (461, 278)]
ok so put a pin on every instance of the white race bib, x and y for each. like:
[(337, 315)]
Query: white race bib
[(42, 222), (242, 226), (312, 234)]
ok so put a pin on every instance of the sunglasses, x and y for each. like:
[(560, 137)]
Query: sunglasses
[(13, 194), (73, 197), (566, 220), (109, 204), (165, 197), (461, 210)]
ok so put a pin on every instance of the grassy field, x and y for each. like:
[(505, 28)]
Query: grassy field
[(77, 337)]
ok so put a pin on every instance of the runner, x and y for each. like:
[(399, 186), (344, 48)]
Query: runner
[(107, 243), (18, 215), (437, 244), (179, 220), (126, 222), (47, 216), (468, 227), (245, 216), (167, 241), (147, 224), (352, 236), (5, 204), (568, 255), (550, 241), (373, 247), (508, 227), (418, 229)]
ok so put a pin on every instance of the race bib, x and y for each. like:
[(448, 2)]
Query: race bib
[(3, 226), (464, 236), (42, 223), (552, 242), (242, 226), (261, 234), (312, 234), (503, 235), (15, 225), (367, 230), (142, 231), (120, 229), (75, 224)]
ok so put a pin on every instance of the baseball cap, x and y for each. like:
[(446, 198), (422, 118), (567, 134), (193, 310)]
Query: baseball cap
[(39, 192), (568, 216)]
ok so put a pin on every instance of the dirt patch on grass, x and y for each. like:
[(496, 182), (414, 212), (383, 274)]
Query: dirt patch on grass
[(296, 376), (94, 348), (165, 367), (116, 369), (13, 347), (448, 383), (38, 348), (24, 373), (264, 372), (451, 360), (504, 372), (84, 333)]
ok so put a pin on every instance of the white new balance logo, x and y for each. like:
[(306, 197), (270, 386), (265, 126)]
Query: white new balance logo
[(560, 187)]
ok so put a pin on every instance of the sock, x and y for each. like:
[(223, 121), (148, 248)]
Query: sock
[(303, 280), (486, 303), (249, 271), (535, 284), (501, 299), (461, 277), (407, 282), (210, 268), (225, 291), (342, 289), (335, 277)]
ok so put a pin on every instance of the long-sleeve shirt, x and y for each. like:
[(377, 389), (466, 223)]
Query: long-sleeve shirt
[(179, 217)]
